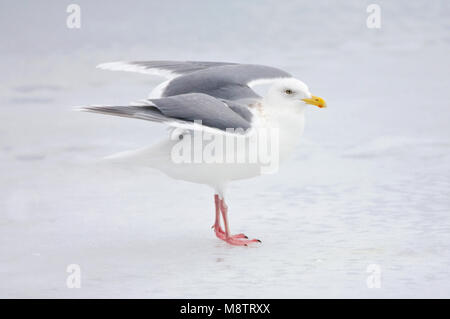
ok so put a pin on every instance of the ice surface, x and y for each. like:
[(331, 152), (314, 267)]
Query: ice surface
[(369, 183)]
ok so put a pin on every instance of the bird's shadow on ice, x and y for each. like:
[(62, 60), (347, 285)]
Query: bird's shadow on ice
[(180, 248)]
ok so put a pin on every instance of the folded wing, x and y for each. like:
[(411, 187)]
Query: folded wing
[(183, 111)]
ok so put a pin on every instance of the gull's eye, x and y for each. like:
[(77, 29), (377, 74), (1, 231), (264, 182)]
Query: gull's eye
[(288, 91)]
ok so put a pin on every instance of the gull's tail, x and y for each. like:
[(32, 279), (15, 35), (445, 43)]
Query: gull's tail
[(149, 156)]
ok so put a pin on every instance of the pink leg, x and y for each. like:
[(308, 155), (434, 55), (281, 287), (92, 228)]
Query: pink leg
[(217, 228), (237, 240)]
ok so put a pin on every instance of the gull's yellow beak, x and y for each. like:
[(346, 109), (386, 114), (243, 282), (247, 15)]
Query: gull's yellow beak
[(315, 100)]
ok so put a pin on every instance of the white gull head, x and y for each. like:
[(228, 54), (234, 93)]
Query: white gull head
[(291, 92), (284, 110)]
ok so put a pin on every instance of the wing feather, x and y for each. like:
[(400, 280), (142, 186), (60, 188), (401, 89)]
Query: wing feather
[(182, 110)]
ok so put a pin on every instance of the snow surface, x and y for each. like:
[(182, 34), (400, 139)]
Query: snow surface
[(369, 183)]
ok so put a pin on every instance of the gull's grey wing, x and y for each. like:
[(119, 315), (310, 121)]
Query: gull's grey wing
[(185, 108), (230, 82), (168, 69), (223, 80), (197, 106), (241, 109)]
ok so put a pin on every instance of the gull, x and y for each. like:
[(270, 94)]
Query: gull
[(212, 109)]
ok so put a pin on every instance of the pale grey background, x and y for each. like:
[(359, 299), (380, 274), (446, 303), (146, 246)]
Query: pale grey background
[(369, 183)]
